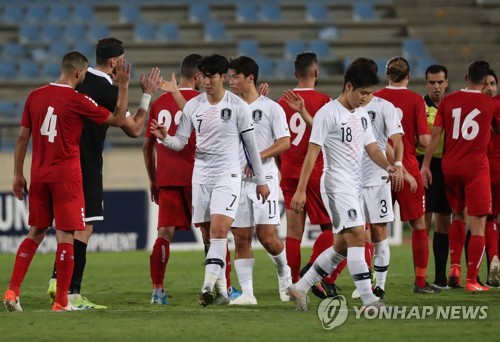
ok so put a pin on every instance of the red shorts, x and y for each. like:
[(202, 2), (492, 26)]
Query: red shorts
[(411, 205), (315, 208), (472, 192), (63, 202), (495, 186), (175, 207)]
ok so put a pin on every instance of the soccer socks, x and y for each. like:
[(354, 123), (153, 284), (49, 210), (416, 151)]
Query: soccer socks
[(491, 236), (64, 265), (80, 260), (420, 247), (440, 248), (360, 274), (25, 253), (381, 259), (369, 249), (292, 247), (158, 261), (244, 271), (323, 266), (228, 267), (456, 235), (323, 241), (280, 262), (336, 272), (476, 252), (214, 263)]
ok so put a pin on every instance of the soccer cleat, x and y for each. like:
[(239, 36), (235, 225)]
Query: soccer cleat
[(159, 297), (441, 286), (283, 284), (323, 290), (475, 287), (494, 274), (51, 291), (379, 292), (427, 289), (355, 294), (206, 298), (454, 278), (11, 301), (244, 299), (56, 307), (233, 292), (220, 300), (82, 303), (300, 298), (374, 308)]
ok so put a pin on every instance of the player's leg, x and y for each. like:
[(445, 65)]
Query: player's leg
[(381, 257), (64, 269), (158, 261), (492, 242), (243, 264), (440, 247)]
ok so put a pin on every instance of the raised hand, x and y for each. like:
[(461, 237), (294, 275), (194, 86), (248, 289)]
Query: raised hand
[(263, 89), (169, 86), (151, 82), (122, 72), (158, 130), (295, 101)]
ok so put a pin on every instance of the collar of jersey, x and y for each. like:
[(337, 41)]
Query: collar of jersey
[(470, 90), (60, 85), (302, 89), (100, 74), (396, 88)]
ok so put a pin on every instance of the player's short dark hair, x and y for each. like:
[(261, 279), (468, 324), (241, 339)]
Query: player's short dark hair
[(436, 69), (189, 65), (303, 63), (213, 64), (74, 60), (397, 69), (246, 66), (478, 71), (108, 44), (360, 75), (368, 62), (492, 73)]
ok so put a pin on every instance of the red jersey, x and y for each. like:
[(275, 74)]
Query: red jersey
[(293, 158), (411, 108), (466, 117), (54, 114), (494, 145), (174, 168)]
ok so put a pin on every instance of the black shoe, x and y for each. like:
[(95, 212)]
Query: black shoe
[(206, 298), (325, 290), (377, 291), (427, 289), (454, 283)]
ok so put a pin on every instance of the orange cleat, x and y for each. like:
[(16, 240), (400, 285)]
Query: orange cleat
[(474, 286)]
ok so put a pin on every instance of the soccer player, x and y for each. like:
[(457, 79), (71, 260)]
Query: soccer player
[(221, 120), (466, 116), (273, 137), (436, 203), (411, 109), (170, 174), (306, 72), (54, 115), (98, 84), (343, 131)]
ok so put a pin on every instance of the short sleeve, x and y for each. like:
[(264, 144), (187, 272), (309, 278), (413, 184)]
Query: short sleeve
[(421, 118), (369, 137), (392, 120), (244, 118), (439, 120), (186, 124), (279, 124), (91, 110), (323, 124)]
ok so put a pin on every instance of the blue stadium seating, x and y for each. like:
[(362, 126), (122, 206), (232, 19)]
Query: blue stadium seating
[(28, 69), (249, 48), (13, 14), (83, 13), (97, 31), (75, 32), (270, 12), (215, 31), (51, 70), (59, 49), (29, 33), (36, 13), (246, 12), (329, 33), (266, 67), (83, 46), (316, 12), (12, 51), (199, 12), (7, 70), (59, 13), (293, 48), (285, 69), (321, 48), (169, 32), (8, 109), (145, 32), (51, 33), (130, 13), (363, 11)]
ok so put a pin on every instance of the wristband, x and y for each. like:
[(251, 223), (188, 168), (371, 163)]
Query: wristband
[(398, 163), (145, 99)]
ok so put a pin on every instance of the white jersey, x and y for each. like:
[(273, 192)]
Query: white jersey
[(269, 120), (385, 122), (218, 128), (343, 136)]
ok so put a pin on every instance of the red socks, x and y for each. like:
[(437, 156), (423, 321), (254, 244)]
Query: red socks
[(456, 236), (491, 235), (420, 247), (323, 241), (369, 248), (338, 270), (292, 247), (158, 261), (228, 267), (65, 262), (475, 252), (25, 253)]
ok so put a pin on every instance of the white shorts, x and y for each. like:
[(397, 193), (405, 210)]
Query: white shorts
[(345, 209), (252, 211), (221, 198), (377, 204)]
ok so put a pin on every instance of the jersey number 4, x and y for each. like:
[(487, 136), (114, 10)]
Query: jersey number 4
[(469, 129), (49, 125)]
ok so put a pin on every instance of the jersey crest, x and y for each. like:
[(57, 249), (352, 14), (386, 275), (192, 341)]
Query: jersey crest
[(372, 115), (225, 114), (257, 115), (364, 123)]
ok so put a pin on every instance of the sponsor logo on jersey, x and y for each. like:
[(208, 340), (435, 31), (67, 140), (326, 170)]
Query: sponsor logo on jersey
[(257, 115), (225, 114)]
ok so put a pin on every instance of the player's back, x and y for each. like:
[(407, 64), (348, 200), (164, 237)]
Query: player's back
[(175, 167), (293, 158), (466, 117)]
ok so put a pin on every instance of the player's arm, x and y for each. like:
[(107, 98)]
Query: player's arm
[(398, 148), (148, 150), (134, 124), (19, 184), (278, 147), (378, 158), (181, 137), (299, 198), (171, 87), (389, 151), (296, 103), (424, 139), (248, 137), (122, 78), (425, 171), (424, 136)]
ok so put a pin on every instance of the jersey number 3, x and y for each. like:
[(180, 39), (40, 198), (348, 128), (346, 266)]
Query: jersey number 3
[(49, 125)]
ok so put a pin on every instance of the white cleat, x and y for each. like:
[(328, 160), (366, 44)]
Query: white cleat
[(355, 294), (244, 299), (284, 283), (11, 301), (300, 298)]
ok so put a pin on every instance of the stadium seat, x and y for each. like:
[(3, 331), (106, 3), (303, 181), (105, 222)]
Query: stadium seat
[(39, 54), (28, 69), (8, 109), (266, 67), (12, 51), (97, 31), (293, 48), (215, 31), (87, 49), (51, 33), (421, 64), (145, 32), (270, 12), (129, 13), (363, 11), (75, 32), (29, 33), (285, 69), (199, 12), (316, 12), (7, 70), (246, 12), (83, 13), (249, 48), (36, 13), (169, 32), (51, 70), (321, 48), (59, 13), (13, 14), (413, 48), (59, 49), (329, 33)]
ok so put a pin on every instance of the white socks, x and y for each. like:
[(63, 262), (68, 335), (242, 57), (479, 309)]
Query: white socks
[(323, 266), (360, 274), (214, 265), (280, 262), (244, 271), (381, 260)]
